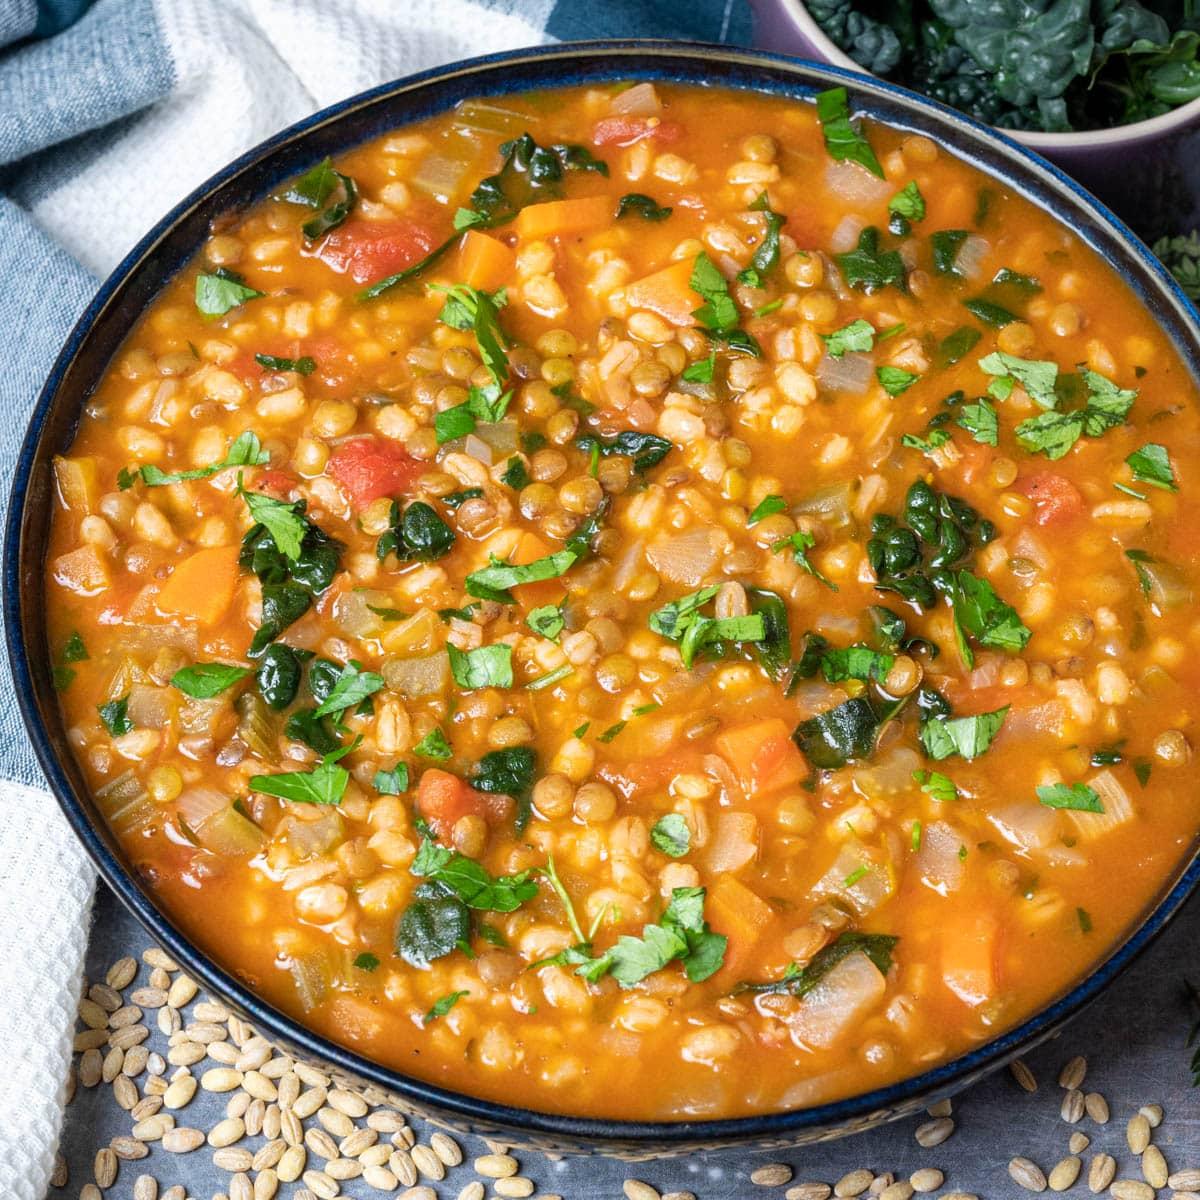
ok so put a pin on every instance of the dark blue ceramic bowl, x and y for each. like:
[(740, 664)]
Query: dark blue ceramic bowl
[(179, 236)]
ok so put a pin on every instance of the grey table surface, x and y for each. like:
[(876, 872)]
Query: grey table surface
[(1133, 1039)]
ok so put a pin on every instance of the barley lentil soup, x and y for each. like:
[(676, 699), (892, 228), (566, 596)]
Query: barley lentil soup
[(641, 602)]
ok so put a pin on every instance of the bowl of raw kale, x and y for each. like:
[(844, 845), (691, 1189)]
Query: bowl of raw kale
[(1107, 89)]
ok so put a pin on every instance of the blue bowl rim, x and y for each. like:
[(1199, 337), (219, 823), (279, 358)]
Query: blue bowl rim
[(1027, 172)]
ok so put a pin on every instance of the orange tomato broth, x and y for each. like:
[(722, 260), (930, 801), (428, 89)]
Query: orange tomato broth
[(999, 901)]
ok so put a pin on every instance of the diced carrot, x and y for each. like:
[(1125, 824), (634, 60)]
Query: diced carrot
[(201, 587), (968, 942), (558, 217), (667, 292), (484, 262), (529, 549), (443, 799), (763, 755), (742, 916)]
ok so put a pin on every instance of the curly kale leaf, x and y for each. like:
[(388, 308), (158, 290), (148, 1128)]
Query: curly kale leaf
[(872, 44), (1181, 256), (1033, 48)]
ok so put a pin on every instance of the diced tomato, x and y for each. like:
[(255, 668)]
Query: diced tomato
[(1055, 498), (368, 468), (444, 799), (625, 131), (274, 483), (369, 251)]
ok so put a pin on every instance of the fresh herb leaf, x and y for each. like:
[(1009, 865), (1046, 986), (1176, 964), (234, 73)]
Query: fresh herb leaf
[(985, 616), (434, 745), (855, 662), (115, 716), (221, 291), (352, 686), (878, 947), (843, 141), (766, 254), (515, 474), (493, 581), (431, 927), (989, 312), (646, 449), (869, 268), (718, 315), (202, 681), (508, 773), (637, 204), (968, 737), (946, 244), (442, 1006), (1077, 797), (671, 835), (415, 534), (245, 451), (858, 335), (1037, 377), (547, 620), (73, 649), (1152, 464), (766, 507), (895, 380), (285, 523), (324, 784), (927, 445), (366, 962), (457, 499), (800, 543), (980, 421), (954, 347), (701, 371), (906, 206), (272, 362), (484, 666), (471, 882), (393, 782), (936, 785)]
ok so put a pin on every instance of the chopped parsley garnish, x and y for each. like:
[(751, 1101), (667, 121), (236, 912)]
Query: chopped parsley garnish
[(493, 581), (800, 543), (906, 206), (936, 439), (701, 371), (671, 835), (222, 290), (766, 507), (508, 773), (1077, 797), (936, 785), (245, 451), (202, 681), (637, 204), (869, 268), (895, 380), (434, 745), (843, 140), (646, 449), (681, 621), (443, 1005), (366, 962), (980, 421), (547, 620), (324, 784), (485, 666), (718, 315), (323, 188), (968, 737), (272, 362), (351, 687), (766, 254), (393, 782), (515, 475), (115, 716), (954, 347), (946, 244), (858, 335), (1152, 464)]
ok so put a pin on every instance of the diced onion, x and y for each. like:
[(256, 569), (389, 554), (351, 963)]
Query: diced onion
[(352, 612), (310, 837), (485, 117), (845, 233), (850, 373), (838, 1003), (151, 707), (641, 100), (199, 803), (938, 859), (868, 890), (685, 557), (968, 262), (1118, 807), (125, 804), (476, 447), (439, 176), (889, 774), (856, 185), (1026, 825), (629, 562), (501, 436), (832, 503), (734, 841), (413, 677)]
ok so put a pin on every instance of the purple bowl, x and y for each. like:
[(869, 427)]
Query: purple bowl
[(1147, 172)]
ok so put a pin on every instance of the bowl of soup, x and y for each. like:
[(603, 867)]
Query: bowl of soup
[(630, 595)]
